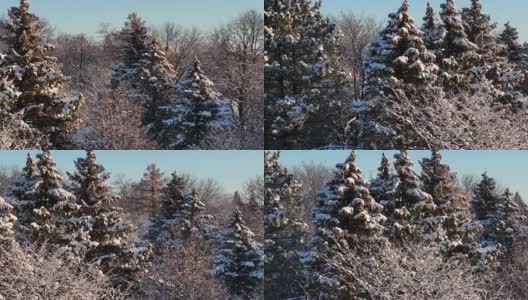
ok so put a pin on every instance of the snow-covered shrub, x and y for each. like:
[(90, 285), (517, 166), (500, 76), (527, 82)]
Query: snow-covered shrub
[(34, 272)]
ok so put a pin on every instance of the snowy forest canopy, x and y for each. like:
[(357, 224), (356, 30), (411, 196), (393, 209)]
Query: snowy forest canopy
[(166, 236), (144, 86), (456, 82), (404, 233)]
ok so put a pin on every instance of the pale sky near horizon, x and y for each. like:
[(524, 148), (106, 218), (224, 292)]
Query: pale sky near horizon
[(85, 16), (509, 168), (231, 169), (500, 11)]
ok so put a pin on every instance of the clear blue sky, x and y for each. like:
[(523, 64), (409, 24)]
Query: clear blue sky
[(230, 168), (509, 168), (84, 16), (501, 11)]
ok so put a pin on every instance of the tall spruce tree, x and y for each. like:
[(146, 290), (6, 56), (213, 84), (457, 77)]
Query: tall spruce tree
[(400, 51), (157, 75), (510, 37), (433, 31), (24, 195), (413, 205), (55, 208), (485, 198), (284, 232), (479, 29), (297, 41), (239, 260), (135, 48), (384, 186), (39, 79), (193, 113), (107, 240), (192, 219), (347, 216), (162, 231), (458, 53)]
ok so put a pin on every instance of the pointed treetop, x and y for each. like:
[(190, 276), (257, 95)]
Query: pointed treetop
[(405, 7)]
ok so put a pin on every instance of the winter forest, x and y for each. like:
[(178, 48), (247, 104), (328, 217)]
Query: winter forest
[(450, 78), (76, 235), (142, 86), (407, 232)]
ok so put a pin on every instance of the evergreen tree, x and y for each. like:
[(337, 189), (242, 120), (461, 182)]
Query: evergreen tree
[(107, 241), (384, 186), (347, 216), (510, 37), (193, 113), (239, 261), (283, 230), (38, 78), (55, 208), (192, 221), (24, 196), (485, 196), (453, 203), (298, 39), (433, 30), (507, 222), (437, 179), (413, 205), (134, 49), (162, 231), (458, 51), (479, 29), (157, 75), (400, 51)]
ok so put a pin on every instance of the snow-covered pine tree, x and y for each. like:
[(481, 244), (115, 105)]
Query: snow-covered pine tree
[(433, 31), (157, 75), (484, 201), (162, 232), (517, 198), (297, 40), (194, 112), (346, 204), (453, 203), (55, 209), (283, 231), (479, 30), (346, 217), (458, 53), (106, 241), (239, 260), (507, 222), (510, 37), (38, 78), (135, 47), (151, 186), (400, 51), (192, 219), (485, 204), (23, 194), (415, 209), (384, 186)]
